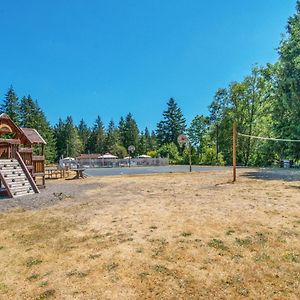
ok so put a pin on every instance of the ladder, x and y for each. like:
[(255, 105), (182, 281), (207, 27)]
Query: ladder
[(17, 181)]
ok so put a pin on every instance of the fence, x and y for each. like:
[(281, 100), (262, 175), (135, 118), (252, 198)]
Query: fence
[(115, 163)]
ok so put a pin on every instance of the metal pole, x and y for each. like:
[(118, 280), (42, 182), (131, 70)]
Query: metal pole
[(129, 159), (234, 151)]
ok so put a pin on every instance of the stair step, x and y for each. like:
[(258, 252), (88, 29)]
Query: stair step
[(12, 172), (24, 184), (4, 161), (19, 175), (22, 193), (16, 180), (10, 168), (9, 165), (21, 188)]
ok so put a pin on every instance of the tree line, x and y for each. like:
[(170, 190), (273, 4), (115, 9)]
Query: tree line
[(265, 103)]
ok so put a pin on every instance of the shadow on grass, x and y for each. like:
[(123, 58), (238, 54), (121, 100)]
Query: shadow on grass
[(274, 174)]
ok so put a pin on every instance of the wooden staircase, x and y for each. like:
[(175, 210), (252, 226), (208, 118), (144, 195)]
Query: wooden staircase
[(16, 179)]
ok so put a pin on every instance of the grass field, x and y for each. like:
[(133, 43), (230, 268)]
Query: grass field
[(166, 236)]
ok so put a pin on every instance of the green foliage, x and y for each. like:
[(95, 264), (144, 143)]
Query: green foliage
[(198, 129), (96, 140), (169, 150), (152, 153), (32, 116), (129, 132), (118, 150), (84, 133), (287, 108), (112, 140), (68, 143)]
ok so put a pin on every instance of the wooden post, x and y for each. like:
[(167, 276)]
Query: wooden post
[(234, 151), (217, 142), (190, 156)]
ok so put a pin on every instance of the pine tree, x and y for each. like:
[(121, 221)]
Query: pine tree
[(84, 133), (32, 116), (142, 144), (172, 125), (112, 137), (68, 143), (130, 132), (10, 105), (96, 141)]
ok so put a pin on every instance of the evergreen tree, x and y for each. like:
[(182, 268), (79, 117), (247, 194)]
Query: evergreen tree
[(68, 143), (96, 141), (60, 138), (142, 144), (129, 132), (84, 133), (32, 116), (112, 137), (122, 134), (10, 105), (172, 125)]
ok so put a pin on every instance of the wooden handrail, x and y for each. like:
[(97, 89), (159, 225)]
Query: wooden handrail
[(27, 173)]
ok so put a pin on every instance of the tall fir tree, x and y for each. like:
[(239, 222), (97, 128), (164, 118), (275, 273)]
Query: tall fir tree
[(68, 142), (112, 137), (130, 132), (172, 125), (10, 105), (96, 141), (32, 116), (84, 133)]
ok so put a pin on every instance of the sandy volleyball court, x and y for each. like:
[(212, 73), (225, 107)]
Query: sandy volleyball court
[(165, 236)]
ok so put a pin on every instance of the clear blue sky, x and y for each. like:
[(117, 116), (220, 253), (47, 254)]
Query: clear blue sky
[(109, 57)]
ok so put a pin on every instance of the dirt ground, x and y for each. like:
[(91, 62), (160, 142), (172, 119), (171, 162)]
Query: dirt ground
[(165, 236)]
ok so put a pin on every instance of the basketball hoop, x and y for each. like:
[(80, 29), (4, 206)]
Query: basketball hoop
[(182, 139)]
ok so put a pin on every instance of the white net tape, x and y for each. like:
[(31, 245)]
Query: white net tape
[(267, 138)]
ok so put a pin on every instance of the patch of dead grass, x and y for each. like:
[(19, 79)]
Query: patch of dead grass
[(186, 236)]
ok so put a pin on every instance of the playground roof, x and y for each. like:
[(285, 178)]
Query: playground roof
[(33, 136)]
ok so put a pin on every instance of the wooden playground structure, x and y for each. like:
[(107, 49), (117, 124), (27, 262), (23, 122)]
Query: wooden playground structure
[(22, 160)]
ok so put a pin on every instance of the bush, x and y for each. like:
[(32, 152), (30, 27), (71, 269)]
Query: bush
[(152, 153), (208, 156), (171, 151)]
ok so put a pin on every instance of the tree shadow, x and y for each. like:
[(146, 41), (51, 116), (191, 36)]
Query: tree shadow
[(288, 175)]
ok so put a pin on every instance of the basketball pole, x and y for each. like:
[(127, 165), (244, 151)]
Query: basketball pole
[(234, 151)]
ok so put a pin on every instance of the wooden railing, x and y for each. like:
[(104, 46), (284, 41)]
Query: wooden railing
[(26, 171), (26, 154), (38, 164)]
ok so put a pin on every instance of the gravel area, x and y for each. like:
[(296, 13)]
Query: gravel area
[(55, 191)]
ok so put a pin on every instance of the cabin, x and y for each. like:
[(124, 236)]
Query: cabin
[(22, 160)]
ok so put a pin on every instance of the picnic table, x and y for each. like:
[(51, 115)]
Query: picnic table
[(79, 173), (54, 171)]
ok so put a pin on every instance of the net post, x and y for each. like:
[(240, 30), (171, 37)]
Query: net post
[(234, 151)]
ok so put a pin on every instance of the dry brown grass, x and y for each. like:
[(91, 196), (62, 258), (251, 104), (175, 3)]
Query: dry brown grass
[(175, 236)]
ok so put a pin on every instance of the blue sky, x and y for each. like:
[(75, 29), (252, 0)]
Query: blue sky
[(84, 58)]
